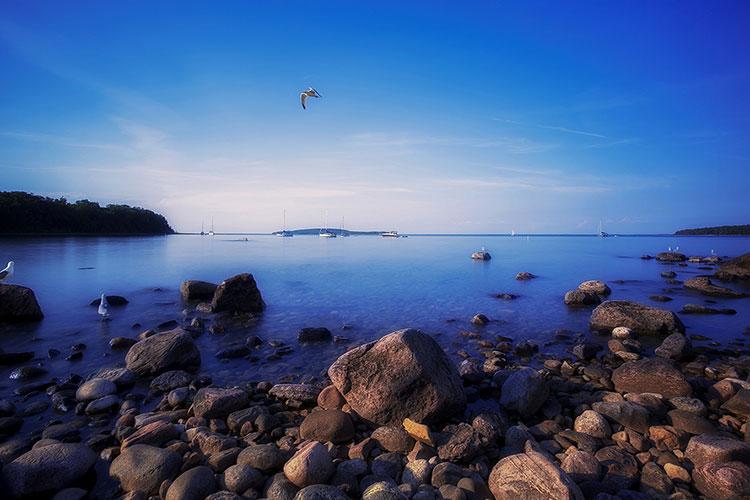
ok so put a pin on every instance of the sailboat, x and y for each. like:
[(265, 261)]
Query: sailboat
[(284, 233), (602, 234), (203, 233), (390, 234), (512, 232), (211, 232), (325, 232)]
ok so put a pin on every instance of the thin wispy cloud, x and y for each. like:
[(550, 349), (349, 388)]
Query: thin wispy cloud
[(514, 145), (56, 140), (552, 127)]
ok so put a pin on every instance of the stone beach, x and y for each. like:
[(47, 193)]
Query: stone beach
[(633, 409)]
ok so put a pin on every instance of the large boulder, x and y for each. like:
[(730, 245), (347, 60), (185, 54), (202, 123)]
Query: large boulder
[(47, 469), (218, 402), (312, 464), (595, 286), (705, 286), (238, 294), (641, 319), (194, 484), (197, 290), (327, 425), (18, 304), (524, 391), (404, 374), (162, 352), (735, 269), (143, 468), (707, 448), (675, 346), (723, 480), (531, 476), (655, 375)]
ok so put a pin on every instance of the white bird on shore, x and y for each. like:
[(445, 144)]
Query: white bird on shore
[(8, 271), (103, 307), (310, 92)]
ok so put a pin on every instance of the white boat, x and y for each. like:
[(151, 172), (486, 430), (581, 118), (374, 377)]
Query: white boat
[(512, 232), (325, 232), (390, 234), (211, 232), (284, 233)]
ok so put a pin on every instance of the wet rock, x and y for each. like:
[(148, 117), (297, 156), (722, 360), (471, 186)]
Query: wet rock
[(531, 476), (312, 334), (327, 425), (106, 404), (705, 449), (404, 374), (660, 298), (304, 393), (595, 286), (581, 298), (94, 389), (47, 469), (310, 465), (170, 380), (524, 391), (641, 319), (144, 468), (480, 320), (525, 276), (676, 346), (699, 309), (122, 377), (653, 375), (121, 343), (197, 290), (671, 257), (193, 484), (723, 480), (705, 286), (626, 413), (18, 304), (165, 351), (238, 294), (592, 423), (233, 352), (735, 269)]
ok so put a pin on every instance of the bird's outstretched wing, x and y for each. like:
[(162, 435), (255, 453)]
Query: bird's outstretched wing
[(317, 94), (303, 99)]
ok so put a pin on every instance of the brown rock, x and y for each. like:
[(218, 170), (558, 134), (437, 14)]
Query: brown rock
[(393, 439), (238, 294), (404, 374), (654, 375), (154, 434), (705, 449), (531, 476), (331, 399), (735, 269), (327, 425), (723, 480), (18, 304), (158, 353), (641, 319), (310, 465), (217, 402), (705, 286), (197, 290)]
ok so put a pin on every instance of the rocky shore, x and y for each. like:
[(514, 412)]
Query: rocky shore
[(636, 409)]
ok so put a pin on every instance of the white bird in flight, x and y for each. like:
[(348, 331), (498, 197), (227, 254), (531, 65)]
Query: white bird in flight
[(103, 307), (310, 92), (7, 272)]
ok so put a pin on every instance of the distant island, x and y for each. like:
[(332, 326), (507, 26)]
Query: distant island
[(716, 231), (339, 232), (26, 213)]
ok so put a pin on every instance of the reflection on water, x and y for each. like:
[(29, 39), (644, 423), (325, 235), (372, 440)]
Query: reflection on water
[(373, 285)]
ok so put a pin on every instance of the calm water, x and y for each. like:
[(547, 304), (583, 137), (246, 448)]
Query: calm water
[(373, 284)]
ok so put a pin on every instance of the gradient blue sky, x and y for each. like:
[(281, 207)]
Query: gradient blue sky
[(435, 116)]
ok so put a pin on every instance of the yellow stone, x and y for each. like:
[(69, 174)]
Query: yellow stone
[(418, 431)]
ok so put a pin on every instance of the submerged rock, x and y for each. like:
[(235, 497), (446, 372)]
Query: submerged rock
[(705, 286), (404, 374), (671, 257), (165, 351), (18, 304), (112, 300), (700, 309), (641, 319), (313, 334), (581, 298), (525, 276)]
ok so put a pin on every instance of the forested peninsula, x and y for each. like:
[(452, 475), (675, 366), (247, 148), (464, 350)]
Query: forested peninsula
[(26, 213)]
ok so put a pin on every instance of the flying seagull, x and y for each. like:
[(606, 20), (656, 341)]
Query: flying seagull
[(103, 307), (310, 92), (7, 272)]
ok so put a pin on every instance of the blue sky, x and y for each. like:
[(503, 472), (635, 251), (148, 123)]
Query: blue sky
[(435, 116)]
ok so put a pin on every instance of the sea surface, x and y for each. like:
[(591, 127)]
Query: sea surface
[(360, 287)]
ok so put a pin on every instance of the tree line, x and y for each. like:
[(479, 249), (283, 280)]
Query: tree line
[(26, 213)]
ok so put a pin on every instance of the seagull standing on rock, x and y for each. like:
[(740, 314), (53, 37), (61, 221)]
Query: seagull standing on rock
[(310, 92), (103, 307), (7, 272)]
